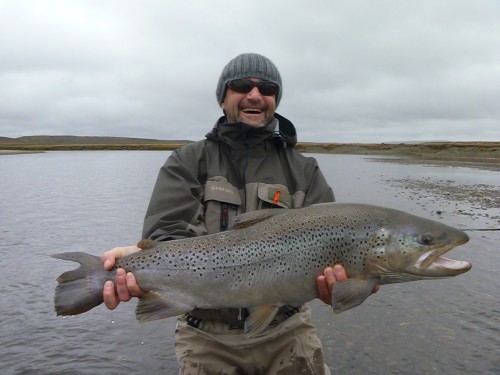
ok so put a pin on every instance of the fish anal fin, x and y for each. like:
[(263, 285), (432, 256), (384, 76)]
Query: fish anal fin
[(259, 318), (350, 293), (153, 306)]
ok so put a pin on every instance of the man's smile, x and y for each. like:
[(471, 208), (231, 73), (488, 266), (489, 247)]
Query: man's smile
[(252, 111)]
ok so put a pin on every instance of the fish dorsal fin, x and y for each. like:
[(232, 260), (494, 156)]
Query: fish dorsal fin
[(350, 293), (250, 218), (259, 318), (146, 243), (153, 306)]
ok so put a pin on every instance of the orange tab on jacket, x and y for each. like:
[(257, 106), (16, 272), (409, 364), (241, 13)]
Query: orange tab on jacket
[(276, 198)]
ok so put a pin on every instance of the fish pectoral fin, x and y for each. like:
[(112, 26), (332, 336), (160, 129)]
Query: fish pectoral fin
[(259, 318), (350, 293), (153, 306)]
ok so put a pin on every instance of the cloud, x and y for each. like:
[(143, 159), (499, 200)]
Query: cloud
[(354, 71)]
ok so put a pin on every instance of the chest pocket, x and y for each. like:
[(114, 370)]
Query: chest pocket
[(222, 204), (273, 196)]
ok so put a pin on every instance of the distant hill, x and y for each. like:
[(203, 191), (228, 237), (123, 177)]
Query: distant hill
[(82, 140)]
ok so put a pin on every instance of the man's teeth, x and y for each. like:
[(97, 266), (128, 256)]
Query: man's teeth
[(251, 110)]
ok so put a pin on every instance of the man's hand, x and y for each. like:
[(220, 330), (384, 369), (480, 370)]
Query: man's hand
[(126, 285), (326, 281)]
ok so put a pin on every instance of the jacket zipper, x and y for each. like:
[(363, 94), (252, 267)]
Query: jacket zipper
[(244, 171), (224, 217)]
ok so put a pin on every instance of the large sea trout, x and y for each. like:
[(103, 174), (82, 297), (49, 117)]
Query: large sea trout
[(271, 258)]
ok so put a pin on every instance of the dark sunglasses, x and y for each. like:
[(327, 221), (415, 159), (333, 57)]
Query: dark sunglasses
[(244, 86)]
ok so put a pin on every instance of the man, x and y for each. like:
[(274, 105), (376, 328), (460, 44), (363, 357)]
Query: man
[(247, 162)]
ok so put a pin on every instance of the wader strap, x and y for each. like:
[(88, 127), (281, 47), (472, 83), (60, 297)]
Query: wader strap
[(280, 317), (291, 312), (193, 321)]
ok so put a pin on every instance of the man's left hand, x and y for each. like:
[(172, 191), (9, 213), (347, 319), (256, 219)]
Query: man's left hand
[(326, 281)]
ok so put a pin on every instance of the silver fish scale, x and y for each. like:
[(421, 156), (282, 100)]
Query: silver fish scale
[(274, 261), (314, 233), (285, 248)]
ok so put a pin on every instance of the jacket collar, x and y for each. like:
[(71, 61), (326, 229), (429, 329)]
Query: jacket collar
[(280, 131)]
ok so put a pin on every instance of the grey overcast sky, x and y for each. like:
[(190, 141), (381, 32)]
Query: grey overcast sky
[(353, 70)]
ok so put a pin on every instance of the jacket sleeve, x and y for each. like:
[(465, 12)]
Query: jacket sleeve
[(176, 209), (319, 191)]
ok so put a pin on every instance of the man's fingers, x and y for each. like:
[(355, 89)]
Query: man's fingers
[(109, 257), (326, 281), (126, 286), (109, 295), (323, 290), (132, 285), (121, 285), (339, 273), (109, 261)]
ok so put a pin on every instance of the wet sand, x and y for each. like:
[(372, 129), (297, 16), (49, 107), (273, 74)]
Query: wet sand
[(480, 197), (484, 156)]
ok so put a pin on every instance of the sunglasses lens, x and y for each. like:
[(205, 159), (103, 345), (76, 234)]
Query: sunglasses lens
[(241, 85), (267, 88), (244, 86)]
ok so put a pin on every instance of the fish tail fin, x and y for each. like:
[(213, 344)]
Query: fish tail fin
[(80, 290)]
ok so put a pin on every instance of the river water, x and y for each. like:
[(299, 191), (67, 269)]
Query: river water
[(92, 201)]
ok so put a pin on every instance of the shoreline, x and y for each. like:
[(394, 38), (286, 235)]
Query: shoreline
[(474, 154), (18, 152), (463, 149), (481, 155)]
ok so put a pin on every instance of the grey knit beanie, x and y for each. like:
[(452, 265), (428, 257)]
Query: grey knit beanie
[(248, 65)]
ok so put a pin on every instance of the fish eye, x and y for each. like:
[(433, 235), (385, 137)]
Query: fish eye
[(425, 239)]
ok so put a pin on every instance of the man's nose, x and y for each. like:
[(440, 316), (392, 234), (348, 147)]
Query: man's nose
[(254, 93)]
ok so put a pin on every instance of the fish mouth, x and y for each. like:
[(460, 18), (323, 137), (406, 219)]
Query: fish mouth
[(443, 263), (433, 264)]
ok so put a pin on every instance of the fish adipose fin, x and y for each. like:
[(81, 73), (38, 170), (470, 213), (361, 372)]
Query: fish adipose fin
[(259, 318), (350, 293), (146, 244), (153, 306)]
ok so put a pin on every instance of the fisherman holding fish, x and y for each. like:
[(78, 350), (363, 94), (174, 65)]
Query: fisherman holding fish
[(223, 248), (246, 163)]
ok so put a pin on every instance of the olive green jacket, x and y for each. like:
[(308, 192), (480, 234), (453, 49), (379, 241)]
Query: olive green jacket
[(237, 168)]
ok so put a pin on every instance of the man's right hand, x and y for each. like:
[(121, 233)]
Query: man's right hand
[(126, 285)]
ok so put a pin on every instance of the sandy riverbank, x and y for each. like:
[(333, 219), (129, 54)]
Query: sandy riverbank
[(434, 150), (483, 155), (472, 154)]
